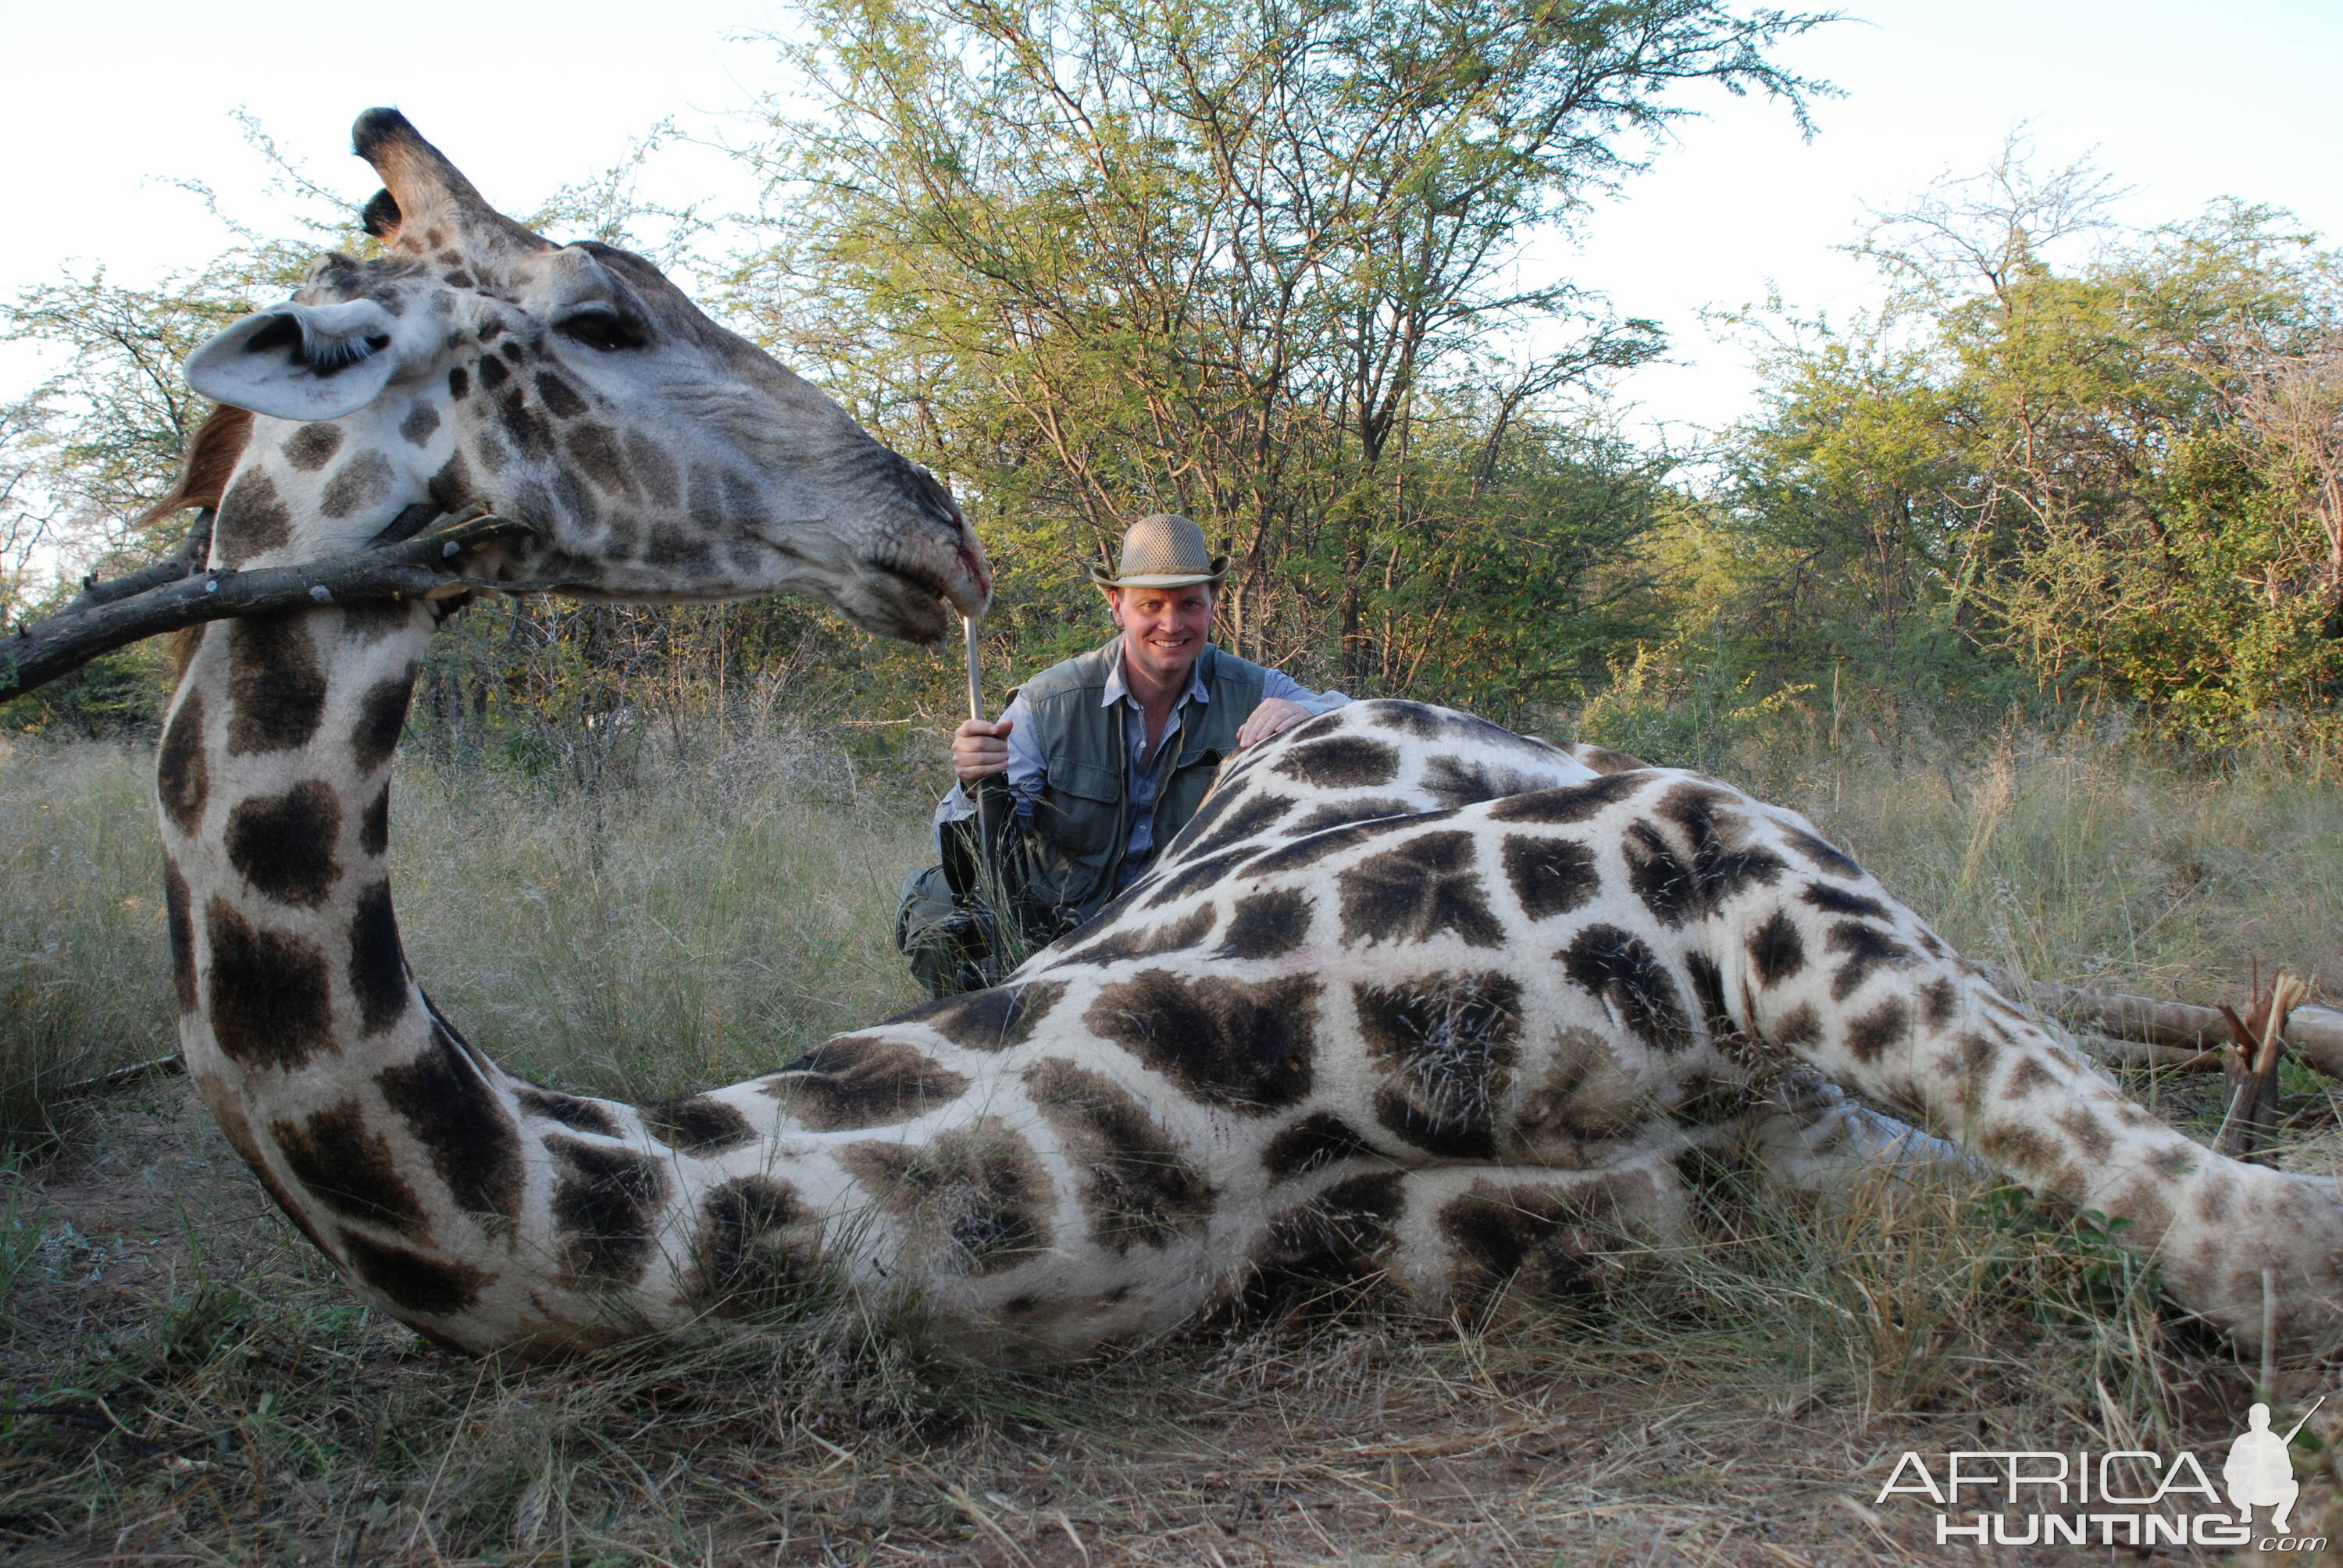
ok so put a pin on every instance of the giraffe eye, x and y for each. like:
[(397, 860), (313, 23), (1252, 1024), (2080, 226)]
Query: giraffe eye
[(599, 326)]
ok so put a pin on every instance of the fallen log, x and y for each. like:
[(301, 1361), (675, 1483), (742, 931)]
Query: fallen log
[(2315, 1033), (2117, 1052)]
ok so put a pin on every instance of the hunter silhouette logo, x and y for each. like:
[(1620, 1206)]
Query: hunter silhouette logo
[(2125, 1497), (2260, 1469)]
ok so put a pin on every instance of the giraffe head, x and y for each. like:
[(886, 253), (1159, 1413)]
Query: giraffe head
[(574, 388)]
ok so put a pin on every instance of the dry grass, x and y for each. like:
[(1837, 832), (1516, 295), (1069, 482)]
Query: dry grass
[(84, 970), (706, 920), (213, 1396), (698, 919)]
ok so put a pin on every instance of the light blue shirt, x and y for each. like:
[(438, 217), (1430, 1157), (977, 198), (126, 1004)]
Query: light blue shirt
[(1029, 771)]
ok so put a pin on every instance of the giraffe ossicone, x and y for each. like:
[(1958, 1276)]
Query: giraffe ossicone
[(1413, 1003)]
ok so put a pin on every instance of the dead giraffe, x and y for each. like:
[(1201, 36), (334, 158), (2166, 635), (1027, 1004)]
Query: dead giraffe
[(1413, 1001)]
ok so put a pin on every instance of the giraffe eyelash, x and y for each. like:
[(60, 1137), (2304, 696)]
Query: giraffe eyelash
[(325, 353), (320, 352)]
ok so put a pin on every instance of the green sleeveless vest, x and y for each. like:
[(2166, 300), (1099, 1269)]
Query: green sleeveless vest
[(1080, 823)]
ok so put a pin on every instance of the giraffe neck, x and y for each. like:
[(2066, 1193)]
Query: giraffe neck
[(482, 1210)]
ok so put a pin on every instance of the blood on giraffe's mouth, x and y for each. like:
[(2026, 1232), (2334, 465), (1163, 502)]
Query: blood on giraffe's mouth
[(965, 590)]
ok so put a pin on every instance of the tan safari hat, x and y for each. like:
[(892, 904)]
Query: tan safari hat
[(1166, 550)]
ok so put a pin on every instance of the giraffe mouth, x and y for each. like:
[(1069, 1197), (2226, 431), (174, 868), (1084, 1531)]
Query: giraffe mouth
[(914, 605), (916, 601)]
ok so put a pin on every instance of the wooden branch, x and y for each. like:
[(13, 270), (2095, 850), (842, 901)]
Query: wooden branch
[(2251, 1120), (2315, 1033), (2117, 1053), (183, 562), (173, 1062), (418, 567)]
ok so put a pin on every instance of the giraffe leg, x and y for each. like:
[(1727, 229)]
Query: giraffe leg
[(1430, 1240), (1809, 1135), (1831, 970)]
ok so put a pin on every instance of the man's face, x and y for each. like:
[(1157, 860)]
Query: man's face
[(1164, 629)]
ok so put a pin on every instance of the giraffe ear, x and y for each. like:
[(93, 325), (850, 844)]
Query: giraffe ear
[(295, 361)]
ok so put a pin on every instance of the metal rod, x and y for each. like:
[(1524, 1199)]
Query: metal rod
[(975, 680)]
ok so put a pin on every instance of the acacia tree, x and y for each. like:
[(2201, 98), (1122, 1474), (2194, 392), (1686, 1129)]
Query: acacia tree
[(1255, 262)]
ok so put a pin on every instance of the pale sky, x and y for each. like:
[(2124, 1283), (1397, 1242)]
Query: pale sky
[(2184, 99)]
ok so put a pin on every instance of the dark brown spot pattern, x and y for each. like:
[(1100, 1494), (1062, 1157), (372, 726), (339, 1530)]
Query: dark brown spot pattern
[(1550, 876), (1446, 1046), (277, 692), (998, 1018), (360, 484), (1312, 1143), (1266, 925), (410, 1280), (700, 1125), (1137, 1189), (382, 715), (1453, 781), (579, 1114), (978, 1191), (1867, 949), (313, 446), (179, 922), (253, 520), (182, 777), (349, 1168), (1249, 1048), (606, 1203), (1340, 762), (1428, 885), (377, 971), (1545, 1238), (1343, 1238), (758, 1250), (1777, 951), (1228, 818), (560, 398), (1344, 813), (1569, 803), (283, 844), (1869, 1036), (1619, 967), (862, 1080), (270, 1005), (1123, 941), (472, 1143)]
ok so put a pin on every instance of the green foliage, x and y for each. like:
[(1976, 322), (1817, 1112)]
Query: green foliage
[(1682, 705), (117, 694), (2112, 474), (2099, 1279), (1109, 255)]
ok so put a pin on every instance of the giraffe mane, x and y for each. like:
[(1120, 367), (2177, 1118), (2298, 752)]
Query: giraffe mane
[(205, 467)]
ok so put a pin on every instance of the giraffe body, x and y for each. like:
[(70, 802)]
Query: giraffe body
[(1413, 1001)]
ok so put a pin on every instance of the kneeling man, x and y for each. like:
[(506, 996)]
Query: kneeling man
[(1107, 755)]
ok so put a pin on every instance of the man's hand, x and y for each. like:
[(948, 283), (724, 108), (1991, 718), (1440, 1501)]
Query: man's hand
[(1275, 714), (980, 748)]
